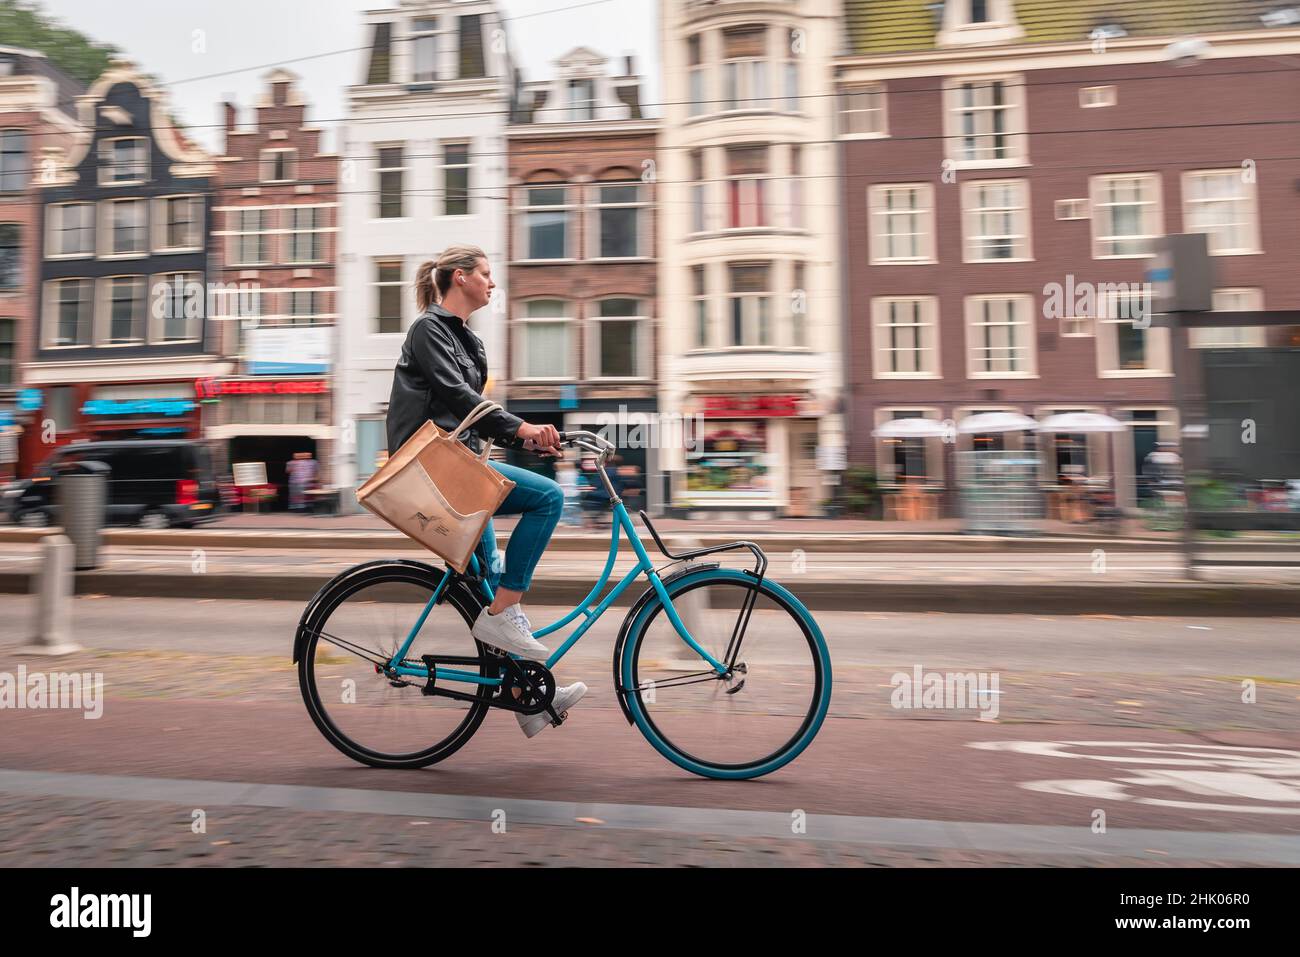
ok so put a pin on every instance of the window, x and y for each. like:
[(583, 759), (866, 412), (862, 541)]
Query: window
[(750, 304), (1221, 204), (179, 224), (307, 308), (306, 234), (985, 122), (123, 311), (979, 11), (744, 68), (388, 297), (381, 54), (545, 221), (15, 163), (11, 276), (390, 171), (699, 192), (746, 171), (542, 344), (909, 459), (424, 53), (616, 344), (582, 99), (790, 72), (127, 228), (799, 309), (1068, 209), (1239, 337), (905, 335), (862, 111), (1126, 345), (68, 312), (250, 237), (1076, 327), (455, 179), (123, 161), (700, 305), (996, 220), (1000, 337), (471, 47), (796, 186), (1126, 215), (1092, 97), (70, 229), (696, 74), (619, 210), (8, 377), (902, 223), (177, 304), (279, 165)]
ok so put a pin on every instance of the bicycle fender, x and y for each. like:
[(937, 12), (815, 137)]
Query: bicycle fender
[(309, 613), (644, 599)]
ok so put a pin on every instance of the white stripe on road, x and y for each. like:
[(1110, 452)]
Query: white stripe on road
[(1252, 848)]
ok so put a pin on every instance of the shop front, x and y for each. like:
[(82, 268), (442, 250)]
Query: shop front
[(264, 424)]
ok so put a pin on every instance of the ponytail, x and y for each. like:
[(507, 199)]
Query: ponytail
[(425, 294)]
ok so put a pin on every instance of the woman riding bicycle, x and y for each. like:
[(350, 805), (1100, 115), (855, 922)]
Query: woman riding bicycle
[(440, 376)]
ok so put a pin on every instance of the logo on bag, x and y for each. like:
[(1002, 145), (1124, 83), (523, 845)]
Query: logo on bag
[(424, 521)]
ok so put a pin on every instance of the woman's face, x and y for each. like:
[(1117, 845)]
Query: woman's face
[(477, 285)]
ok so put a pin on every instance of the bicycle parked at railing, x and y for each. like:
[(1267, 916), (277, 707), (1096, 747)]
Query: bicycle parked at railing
[(723, 670)]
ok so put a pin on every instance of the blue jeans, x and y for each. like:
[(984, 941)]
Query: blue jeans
[(539, 501)]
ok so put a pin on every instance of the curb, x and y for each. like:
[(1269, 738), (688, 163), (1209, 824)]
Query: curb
[(1172, 599)]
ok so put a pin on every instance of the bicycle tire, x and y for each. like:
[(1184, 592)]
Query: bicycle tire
[(333, 597), (779, 597)]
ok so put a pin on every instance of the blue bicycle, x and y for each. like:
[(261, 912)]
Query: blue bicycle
[(723, 670)]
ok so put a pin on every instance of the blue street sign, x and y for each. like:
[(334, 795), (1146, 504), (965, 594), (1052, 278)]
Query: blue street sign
[(29, 400), (568, 396)]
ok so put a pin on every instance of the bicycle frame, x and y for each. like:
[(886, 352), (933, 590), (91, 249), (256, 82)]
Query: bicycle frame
[(622, 523)]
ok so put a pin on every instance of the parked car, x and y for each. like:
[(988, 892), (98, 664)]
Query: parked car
[(155, 484)]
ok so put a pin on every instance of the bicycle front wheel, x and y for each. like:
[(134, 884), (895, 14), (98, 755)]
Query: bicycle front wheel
[(756, 719), (361, 623)]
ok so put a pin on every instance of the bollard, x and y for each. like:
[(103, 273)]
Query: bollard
[(53, 586), (690, 608)]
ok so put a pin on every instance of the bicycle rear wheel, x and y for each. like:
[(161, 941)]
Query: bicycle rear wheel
[(363, 620), (756, 720)]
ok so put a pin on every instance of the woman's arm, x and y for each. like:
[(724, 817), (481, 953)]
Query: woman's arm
[(435, 355)]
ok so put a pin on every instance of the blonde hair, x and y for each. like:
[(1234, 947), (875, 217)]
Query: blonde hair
[(433, 278)]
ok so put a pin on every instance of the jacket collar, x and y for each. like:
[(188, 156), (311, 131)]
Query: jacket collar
[(446, 316)]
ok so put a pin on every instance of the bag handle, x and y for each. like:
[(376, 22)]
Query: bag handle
[(486, 407)]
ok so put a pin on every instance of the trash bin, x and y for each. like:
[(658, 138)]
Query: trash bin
[(81, 494)]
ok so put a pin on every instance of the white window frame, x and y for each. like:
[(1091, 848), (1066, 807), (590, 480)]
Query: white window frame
[(467, 166), (50, 319), (882, 218), (926, 324), (106, 218), (1015, 122), (700, 299), (700, 195), (697, 78), (790, 85), (1102, 225), (20, 247), (1027, 347), (753, 305), (1097, 97), (877, 113), (376, 285), (108, 165), (379, 149), (104, 312), (1069, 210), (54, 230), (291, 232), (1238, 337), (26, 167), (580, 109), (267, 163), (1246, 201), (161, 225), (641, 340), (523, 234), (972, 216), (597, 206), (235, 233), (750, 76), (568, 320), (157, 325), (795, 195), (1156, 345), (757, 185), (420, 37)]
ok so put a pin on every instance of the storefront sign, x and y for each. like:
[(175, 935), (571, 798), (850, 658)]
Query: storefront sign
[(291, 350), (757, 406), (249, 473), (137, 407), (214, 388), (29, 400), (6, 418)]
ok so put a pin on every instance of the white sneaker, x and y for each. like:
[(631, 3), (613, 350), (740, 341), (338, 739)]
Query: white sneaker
[(565, 698), (510, 632)]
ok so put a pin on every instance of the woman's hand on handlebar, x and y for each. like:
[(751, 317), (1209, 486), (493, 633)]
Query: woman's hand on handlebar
[(543, 439)]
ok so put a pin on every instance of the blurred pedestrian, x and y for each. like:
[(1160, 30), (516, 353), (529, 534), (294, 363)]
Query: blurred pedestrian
[(301, 470)]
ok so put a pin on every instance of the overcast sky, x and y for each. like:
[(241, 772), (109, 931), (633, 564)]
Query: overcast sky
[(249, 35)]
